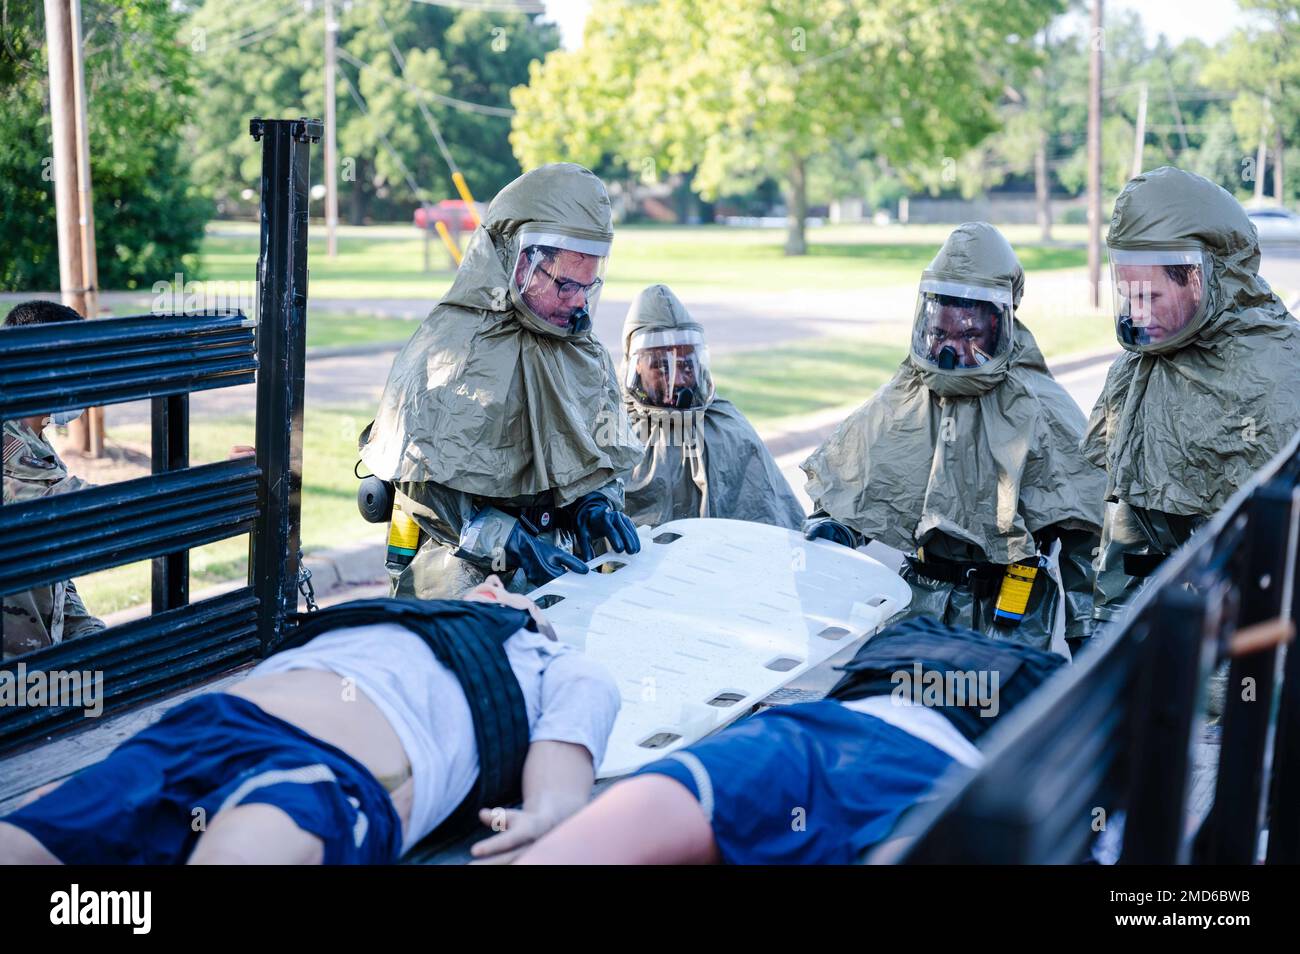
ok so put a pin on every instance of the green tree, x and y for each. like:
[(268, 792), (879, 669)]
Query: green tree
[(1260, 62), (148, 217), (1043, 134), (268, 59), (736, 91), (1040, 111)]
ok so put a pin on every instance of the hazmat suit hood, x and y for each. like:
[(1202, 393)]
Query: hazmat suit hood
[(487, 397), (987, 456), (975, 254), (704, 461), (1180, 425)]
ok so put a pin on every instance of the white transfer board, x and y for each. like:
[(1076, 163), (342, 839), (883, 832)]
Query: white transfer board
[(710, 618)]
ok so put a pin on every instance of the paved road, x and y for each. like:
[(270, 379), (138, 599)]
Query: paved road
[(1280, 267), (741, 319), (357, 381)]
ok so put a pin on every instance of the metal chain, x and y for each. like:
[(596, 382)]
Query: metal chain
[(304, 585)]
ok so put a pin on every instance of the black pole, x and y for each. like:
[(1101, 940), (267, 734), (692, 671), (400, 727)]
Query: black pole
[(1173, 658), (1284, 804), (281, 348), (1239, 787), (171, 451)]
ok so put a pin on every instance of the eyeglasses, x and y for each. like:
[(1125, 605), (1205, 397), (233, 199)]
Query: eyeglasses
[(567, 288)]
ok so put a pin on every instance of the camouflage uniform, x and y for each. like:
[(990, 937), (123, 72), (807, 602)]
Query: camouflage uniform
[(52, 613)]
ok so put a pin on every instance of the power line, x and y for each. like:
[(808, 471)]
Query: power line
[(424, 110), (253, 35), (1190, 127), (1189, 97), (451, 101), (365, 111)]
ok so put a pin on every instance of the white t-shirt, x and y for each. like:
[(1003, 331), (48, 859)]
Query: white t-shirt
[(922, 722), (569, 698)]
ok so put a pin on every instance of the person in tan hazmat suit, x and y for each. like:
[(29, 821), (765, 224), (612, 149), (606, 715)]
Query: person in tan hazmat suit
[(702, 458), (500, 425), (968, 461), (1205, 392)]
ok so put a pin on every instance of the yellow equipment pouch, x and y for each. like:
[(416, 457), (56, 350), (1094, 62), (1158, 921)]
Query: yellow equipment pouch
[(1013, 595), (403, 539)]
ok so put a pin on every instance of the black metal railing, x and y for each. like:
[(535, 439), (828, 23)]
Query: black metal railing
[(1111, 740), (165, 358)]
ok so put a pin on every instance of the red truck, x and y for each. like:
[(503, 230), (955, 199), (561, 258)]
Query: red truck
[(454, 212)]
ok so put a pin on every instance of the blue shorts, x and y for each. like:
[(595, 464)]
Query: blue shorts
[(814, 783), (155, 794)]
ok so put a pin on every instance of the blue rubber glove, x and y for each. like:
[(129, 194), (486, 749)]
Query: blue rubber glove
[(540, 561), (595, 517), (824, 528)]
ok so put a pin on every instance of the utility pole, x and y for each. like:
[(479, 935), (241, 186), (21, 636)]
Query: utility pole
[(63, 122), (1140, 134), (1094, 155), (331, 144), (1261, 156), (92, 435), (74, 216), (1173, 104), (1279, 176), (1042, 188)]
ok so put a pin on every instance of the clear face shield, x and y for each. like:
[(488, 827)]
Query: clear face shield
[(960, 326), (669, 368), (1157, 293), (558, 278)]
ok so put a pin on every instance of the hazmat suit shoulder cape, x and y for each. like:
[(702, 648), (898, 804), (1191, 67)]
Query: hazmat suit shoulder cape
[(1181, 425), (987, 456), (700, 462), (488, 399)]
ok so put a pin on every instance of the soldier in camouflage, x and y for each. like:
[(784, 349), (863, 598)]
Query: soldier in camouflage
[(48, 614)]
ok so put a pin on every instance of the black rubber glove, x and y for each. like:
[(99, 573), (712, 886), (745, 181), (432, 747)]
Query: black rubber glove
[(595, 517), (824, 528), (540, 561)]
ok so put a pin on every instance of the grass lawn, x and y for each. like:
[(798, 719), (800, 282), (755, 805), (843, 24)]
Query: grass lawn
[(388, 262), (324, 328), (792, 380), (328, 329), (329, 510), (1070, 333), (771, 384)]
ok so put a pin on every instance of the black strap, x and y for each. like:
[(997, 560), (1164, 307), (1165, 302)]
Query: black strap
[(1143, 564), (538, 519), (982, 579), (469, 639)]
